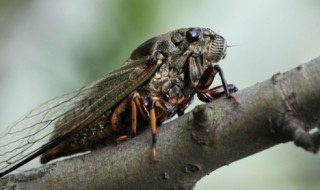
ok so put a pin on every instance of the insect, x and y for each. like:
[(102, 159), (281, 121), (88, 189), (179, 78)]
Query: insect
[(157, 81)]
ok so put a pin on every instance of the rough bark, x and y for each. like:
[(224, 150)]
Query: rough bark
[(283, 108)]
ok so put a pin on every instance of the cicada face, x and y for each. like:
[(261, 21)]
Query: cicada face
[(216, 46)]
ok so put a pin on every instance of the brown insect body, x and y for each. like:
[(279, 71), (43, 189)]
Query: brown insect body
[(173, 84), (158, 80)]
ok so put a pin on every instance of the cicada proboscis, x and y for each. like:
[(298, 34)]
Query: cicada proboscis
[(157, 81)]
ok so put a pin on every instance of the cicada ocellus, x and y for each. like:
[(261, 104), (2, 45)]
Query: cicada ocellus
[(157, 81)]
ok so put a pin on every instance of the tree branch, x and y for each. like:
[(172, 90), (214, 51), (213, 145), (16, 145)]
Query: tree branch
[(281, 109)]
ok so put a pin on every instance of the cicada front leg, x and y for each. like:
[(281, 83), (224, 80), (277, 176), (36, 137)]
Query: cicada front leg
[(202, 82), (217, 92)]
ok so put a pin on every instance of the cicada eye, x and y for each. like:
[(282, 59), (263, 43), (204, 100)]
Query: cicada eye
[(193, 34)]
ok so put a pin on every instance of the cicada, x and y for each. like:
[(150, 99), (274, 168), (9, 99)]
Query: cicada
[(157, 81)]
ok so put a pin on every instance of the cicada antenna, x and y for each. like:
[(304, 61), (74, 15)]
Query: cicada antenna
[(233, 46)]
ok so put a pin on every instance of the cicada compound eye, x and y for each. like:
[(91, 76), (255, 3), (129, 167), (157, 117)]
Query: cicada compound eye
[(193, 34)]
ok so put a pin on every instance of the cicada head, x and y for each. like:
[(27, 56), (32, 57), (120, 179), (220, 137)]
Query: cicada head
[(183, 42), (210, 44)]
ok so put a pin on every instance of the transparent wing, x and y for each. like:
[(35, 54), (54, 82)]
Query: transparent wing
[(34, 129), (66, 114)]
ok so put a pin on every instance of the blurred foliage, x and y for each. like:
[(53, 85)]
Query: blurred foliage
[(126, 26)]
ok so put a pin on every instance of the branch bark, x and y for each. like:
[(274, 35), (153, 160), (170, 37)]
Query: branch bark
[(283, 108)]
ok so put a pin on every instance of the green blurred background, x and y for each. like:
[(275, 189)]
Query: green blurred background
[(51, 47)]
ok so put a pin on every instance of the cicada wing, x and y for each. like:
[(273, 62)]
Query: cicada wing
[(36, 132), (33, 130)]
